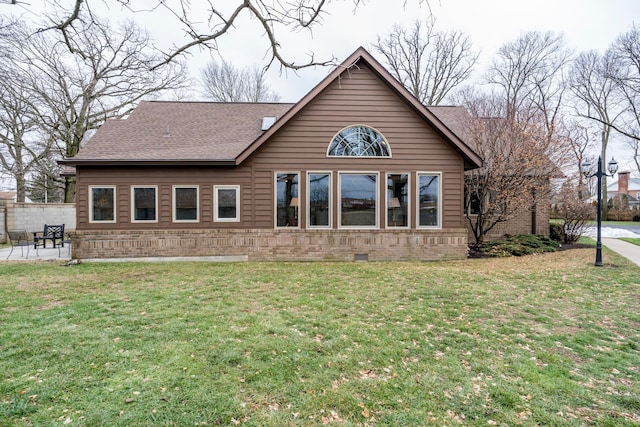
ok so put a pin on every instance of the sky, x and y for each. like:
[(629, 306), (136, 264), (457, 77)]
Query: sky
[(585, 24)]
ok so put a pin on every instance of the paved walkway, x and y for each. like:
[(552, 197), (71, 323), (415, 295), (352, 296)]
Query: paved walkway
[(48, 254), (626, 249)]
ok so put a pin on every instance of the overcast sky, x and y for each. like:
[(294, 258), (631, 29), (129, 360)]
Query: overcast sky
[(585, 24)]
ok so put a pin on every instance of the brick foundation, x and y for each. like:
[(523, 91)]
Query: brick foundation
[(274, 245)]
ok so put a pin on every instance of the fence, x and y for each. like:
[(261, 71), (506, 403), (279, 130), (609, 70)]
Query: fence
[(33, 216)]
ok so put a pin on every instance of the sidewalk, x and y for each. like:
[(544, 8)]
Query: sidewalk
[(626, 249)]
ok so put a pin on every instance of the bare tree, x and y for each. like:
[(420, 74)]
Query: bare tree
[(94, 74), (205, 23), (595, 94), (516, 168), (626, 76), (223, 82), (20, 146), (427, 62), (579, 138), (528, 74)]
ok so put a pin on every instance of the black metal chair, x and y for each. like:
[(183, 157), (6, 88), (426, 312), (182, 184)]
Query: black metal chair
[(55, 233), (19, 238)]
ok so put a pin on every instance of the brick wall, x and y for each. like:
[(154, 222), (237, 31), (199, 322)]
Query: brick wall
[(274, 245)]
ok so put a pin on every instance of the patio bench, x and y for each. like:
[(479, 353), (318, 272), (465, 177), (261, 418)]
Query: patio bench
[(19, 238), (54, 233)]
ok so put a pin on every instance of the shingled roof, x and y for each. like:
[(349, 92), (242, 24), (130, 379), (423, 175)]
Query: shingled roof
[(227, 133), (159, 131)]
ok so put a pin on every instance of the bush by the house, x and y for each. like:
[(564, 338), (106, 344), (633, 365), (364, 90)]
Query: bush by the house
[(518, 245)]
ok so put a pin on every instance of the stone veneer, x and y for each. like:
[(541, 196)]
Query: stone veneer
[(273, 245)]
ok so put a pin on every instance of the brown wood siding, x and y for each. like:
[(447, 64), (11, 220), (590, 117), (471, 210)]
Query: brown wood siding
[(164, 178), (360, 98)]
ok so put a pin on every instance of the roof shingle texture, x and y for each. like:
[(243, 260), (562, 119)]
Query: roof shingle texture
[(181, 131)]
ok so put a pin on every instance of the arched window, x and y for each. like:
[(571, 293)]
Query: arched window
[(359, 141)]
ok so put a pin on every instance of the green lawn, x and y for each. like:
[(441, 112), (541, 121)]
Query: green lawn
[(635, 241), (539, 340)]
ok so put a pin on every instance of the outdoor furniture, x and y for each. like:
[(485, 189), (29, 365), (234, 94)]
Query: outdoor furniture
[(19, 238), (54, 233)]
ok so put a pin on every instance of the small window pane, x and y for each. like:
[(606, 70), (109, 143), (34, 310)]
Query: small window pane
[(358, 200), (428, 193), (103, 204), (144, 204), (287, 200), (398, 200), (186, 204), (227, 199), (319, 210)]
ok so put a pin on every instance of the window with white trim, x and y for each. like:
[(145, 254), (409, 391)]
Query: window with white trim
[(319, 204), (144, 204), (358, 200), (185, 203), (358, 141), (226, 203), (287, 199), (102, 204), (397, 200), (429, 200)]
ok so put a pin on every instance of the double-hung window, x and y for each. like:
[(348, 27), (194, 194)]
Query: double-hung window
[(227, 203), (185, 203), (102, 204), (144, 202)]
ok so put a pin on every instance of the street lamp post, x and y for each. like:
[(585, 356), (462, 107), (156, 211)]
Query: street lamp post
[(612, 167)]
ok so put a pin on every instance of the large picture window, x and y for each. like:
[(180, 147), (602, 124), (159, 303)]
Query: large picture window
[(102, 204), (397, 200), (359, 200), (429, 210), (144, 204), (227, 203), (185, 204), (359, 141), (287, 199), (319, 200)]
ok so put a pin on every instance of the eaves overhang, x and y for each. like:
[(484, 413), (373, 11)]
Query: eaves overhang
[(126, 162)]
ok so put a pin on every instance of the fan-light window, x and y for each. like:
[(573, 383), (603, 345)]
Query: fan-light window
[(359, 141)]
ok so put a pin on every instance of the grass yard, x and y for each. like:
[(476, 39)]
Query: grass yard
[(635, 241), (538, 340)]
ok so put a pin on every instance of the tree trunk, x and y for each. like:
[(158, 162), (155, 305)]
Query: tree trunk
[(69, 189)]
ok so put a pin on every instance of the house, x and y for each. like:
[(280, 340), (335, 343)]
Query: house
[(625, 185), (358, 169)]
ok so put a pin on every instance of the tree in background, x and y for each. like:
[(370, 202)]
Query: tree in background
[(429, 63), (22, 145), (595, 99), (95, 73), (626, 76), (528, 74), (222, 82), (207, 22)]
